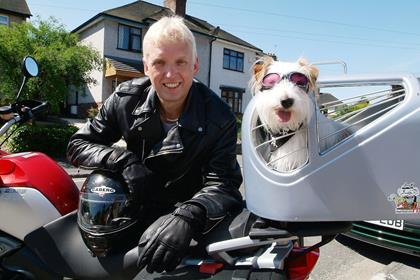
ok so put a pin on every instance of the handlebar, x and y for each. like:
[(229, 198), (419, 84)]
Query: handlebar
[(24, 107), (21, 112), (34, 106), (44, 106)]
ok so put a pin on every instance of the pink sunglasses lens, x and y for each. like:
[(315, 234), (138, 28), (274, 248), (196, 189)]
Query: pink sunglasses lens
[(299, 79), (270, 80)]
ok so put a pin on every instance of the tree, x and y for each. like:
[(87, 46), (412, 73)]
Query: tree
[(63, 61)]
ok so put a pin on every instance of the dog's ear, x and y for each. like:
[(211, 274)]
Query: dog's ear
[(260, 66), (259, 69), (311, 70)]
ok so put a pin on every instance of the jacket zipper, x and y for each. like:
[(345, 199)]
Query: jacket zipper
[(142, 150), (167, 184), (174, 151)]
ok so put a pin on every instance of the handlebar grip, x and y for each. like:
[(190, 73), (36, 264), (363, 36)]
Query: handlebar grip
[(44, 106)]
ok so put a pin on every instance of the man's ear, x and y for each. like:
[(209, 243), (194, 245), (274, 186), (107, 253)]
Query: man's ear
[(145, 67), (196, 64)]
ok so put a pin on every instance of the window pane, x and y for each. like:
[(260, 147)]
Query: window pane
[(226, 61), (135, 42), (232, 62), (240, 64), (226, 51), (4, 20), (123, 37), (135, 31)]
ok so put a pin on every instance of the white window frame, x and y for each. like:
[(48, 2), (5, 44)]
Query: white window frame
[(4, 20)]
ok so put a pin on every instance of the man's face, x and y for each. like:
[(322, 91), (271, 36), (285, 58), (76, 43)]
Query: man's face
[(171, 68)]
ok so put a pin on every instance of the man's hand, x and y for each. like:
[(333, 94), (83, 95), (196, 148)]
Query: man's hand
[(7, 116), (164, 244), (135, 176)]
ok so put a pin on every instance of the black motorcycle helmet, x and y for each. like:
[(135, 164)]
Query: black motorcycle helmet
[(107, 216)]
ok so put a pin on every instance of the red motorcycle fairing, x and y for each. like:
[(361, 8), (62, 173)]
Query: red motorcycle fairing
[(38, 171)]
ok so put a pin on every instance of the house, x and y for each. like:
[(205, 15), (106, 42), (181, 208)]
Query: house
[(225, 60), (13, 11), (328, 103)]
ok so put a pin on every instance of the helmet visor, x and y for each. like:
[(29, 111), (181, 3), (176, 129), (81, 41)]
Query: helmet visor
[(104, 214)]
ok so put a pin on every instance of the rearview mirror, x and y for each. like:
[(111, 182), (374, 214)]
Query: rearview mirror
[(30, 67)]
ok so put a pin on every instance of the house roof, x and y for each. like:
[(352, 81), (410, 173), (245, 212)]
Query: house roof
[(18, 7), (122, 64), (326, 98), (147, 13), (121, 68)]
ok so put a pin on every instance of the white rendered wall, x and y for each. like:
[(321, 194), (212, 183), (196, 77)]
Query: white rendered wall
[(94, 37), (203, 53), (225, 77)]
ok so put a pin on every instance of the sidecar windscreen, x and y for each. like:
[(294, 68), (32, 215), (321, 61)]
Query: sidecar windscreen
[(352, 108), (340, 112)]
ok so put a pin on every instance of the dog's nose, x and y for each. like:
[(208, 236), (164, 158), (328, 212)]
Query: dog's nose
[(287, 103)]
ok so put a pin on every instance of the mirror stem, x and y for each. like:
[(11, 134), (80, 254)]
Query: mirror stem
[(21, 87)]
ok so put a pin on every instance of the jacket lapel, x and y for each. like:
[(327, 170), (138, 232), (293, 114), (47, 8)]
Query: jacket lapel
[(193, 116), (149, 126), (147, 120)]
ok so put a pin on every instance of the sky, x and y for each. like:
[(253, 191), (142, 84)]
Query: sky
[(369, 36)]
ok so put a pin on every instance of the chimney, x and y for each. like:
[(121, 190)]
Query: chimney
[(176, 6)]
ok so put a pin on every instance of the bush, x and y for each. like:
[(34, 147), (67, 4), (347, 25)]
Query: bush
[(49, 139), (92, 112), (239, 126)]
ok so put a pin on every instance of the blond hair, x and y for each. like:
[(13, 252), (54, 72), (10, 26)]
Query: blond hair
[(168, 29)]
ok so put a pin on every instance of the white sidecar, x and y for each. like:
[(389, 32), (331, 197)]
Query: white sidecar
[(373, 173)]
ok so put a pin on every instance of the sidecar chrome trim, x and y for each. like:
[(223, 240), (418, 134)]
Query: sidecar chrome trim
[(219, 250)]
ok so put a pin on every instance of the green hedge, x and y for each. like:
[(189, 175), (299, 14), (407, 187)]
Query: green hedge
[(49, 139)]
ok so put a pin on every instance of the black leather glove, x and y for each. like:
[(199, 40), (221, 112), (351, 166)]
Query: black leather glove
[(135, 176), (164, 244)]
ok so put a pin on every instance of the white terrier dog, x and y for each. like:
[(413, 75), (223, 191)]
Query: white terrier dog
[(285, 103)]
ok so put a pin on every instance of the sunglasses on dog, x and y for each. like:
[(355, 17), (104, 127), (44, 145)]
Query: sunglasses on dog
[(299, 79)]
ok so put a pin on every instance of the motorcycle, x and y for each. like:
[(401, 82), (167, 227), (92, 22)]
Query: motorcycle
[(40, 239)]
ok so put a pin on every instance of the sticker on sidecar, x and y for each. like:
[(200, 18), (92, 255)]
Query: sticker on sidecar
[(407, 199)]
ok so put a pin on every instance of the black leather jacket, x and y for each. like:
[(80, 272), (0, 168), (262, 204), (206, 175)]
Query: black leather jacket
[(195, 161)]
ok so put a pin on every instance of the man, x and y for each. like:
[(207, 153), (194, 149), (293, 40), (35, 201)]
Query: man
[(181, 141)]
